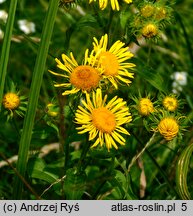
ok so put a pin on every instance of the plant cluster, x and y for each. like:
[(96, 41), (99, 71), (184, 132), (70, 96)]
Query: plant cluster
[(96, 104)]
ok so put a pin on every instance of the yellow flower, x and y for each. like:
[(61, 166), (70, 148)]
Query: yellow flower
[(83, 78), (66, 3), (114, 4), (170, 103), (52, 110), (161, 13), (103, 121), (145, 106), (113, 61), (150, 30), (11, 101), (168, 128), (147, 10)]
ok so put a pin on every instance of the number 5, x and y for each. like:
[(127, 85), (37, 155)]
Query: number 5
[(184, 207)]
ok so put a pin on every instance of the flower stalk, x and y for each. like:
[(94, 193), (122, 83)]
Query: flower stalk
[(150, 142)]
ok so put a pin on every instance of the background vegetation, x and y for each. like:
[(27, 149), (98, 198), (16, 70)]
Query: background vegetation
[(56, 150)]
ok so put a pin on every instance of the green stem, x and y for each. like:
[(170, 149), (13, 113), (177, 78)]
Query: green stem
[(83, 155), (21, 177), (16, 126), (107, 27), (34, 95), (98, 17), (164, 175), (141, 152), (6, 47), (149, 53)]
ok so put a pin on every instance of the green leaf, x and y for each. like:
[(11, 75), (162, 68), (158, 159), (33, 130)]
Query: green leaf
[(123, 180), (37, 169), (37, 78), (182, 172), (150, 75), (87, 21), (74, 184), (124, 16)]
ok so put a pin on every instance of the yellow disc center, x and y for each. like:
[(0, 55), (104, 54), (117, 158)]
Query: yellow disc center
[(85, 77), (168, 127), (149, 31), (170, 103), (11, 101), (103, 119), (110, 63)]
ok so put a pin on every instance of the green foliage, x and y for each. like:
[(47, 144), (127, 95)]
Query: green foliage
[(182, 172), (40, 138)]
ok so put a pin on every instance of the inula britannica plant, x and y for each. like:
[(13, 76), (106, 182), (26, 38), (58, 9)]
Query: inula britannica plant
[(96, 100)]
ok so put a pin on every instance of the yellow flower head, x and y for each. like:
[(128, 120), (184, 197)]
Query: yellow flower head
[(52, 110), (170, 103), (145, 106), (113, 61), (168, 128), (67, 3), (147, 10), (103, 121), (161, 13), (114, 3), (83, 78), (11, 101), (150, 30)]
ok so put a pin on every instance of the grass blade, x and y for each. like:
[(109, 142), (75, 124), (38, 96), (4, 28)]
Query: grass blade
[(182, 172), (34, 94), (6, 47)]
